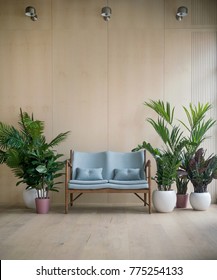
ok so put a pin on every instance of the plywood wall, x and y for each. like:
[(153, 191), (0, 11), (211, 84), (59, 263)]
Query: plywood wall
[(79, 73)]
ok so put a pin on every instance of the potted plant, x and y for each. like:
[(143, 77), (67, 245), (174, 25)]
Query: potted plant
[(32, 159), (168, 158), (182, 187), (201, 171), (197, 127)]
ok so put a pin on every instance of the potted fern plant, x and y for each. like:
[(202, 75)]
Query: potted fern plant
[(32, 159)]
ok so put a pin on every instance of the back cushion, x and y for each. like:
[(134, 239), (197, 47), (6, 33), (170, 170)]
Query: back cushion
[(109, 161), (88, 160), (131, 160)]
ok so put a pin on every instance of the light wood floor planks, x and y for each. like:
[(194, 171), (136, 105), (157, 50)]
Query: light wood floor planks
[(108, 232)]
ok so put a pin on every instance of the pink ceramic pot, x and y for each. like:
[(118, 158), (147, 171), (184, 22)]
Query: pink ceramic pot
[(42, 205)]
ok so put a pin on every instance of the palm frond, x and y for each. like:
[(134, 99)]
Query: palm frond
[(30, 128), (162, 109), (198, 134), (175, 138), (161, 129), (2, 156), (59, 138), (10, 137), (196, 114)]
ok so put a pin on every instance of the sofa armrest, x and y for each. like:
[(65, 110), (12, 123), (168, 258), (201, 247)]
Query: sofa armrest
[(68, 172), (148, 172)]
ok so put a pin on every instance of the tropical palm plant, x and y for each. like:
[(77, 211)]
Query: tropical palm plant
[(182, 147), (197, 128), (32, 159), (168, 158)]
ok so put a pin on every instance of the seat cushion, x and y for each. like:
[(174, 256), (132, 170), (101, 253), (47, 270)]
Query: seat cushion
[(87, 185), (89, 174), (130, 182), (112, 184), (86, 182), (127, 174)]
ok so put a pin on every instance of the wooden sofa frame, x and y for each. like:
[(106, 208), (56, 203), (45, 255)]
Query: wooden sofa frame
[(73, 194)]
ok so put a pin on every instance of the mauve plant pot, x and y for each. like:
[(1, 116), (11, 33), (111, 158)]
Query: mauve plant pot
[(182, 200), (42, 205)]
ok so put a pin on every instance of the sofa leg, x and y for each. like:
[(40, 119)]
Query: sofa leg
[(145, 199), (150, 209), (66, 206), (71, 199), (66, 203), (149, 202), (66, 209)]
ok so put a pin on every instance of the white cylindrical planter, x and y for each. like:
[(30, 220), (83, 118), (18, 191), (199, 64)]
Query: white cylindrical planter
[(200, 201), (29, 197), (164, 201)]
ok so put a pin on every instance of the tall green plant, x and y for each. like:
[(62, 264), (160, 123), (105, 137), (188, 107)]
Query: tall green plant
[(175, 142), (171, 134), (168, 158), (32, 159), (197, 126)]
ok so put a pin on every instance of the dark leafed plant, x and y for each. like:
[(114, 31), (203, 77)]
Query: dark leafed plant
[(201, 171), (32, 159)]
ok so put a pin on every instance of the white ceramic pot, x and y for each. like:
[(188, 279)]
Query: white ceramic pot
[(29, 197), (164, 201), (200, 201)]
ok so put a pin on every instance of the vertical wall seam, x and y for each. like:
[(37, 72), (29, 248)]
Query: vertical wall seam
[(164, 51), (52, 69), (107, 81)]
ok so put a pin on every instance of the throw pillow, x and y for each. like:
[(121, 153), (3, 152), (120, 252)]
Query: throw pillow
[(127, 174), (89, 174)]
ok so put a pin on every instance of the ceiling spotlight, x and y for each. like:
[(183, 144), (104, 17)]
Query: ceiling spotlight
[(106, 13), (31, 12), (181, 12)]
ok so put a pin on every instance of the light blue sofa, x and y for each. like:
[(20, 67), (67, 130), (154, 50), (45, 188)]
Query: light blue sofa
[(108, 172)]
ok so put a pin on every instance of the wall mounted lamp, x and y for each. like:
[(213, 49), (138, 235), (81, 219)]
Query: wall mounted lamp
[(31, 12), (106, 13), (181, 12)]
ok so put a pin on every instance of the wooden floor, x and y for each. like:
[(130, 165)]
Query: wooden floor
[(108, 232)]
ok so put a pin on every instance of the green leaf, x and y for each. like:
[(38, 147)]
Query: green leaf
[(164, 110)]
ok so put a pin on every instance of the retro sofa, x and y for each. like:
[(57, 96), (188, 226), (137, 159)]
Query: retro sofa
[(107, 172)]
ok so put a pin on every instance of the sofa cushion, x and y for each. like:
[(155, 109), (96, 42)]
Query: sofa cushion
[(89, 174), (89, 160), (86, 182), (130, 182), (122, 160), (127, 174)]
